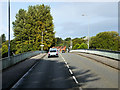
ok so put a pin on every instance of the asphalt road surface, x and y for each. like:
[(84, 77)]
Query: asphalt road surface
[(69, 71)]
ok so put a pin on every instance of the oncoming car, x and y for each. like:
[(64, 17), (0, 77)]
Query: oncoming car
[(53, 52)]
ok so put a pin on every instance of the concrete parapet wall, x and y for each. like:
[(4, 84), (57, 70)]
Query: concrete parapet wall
[(113, 55), (9, 61)]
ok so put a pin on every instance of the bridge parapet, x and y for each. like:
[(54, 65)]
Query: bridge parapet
[(109, 54), (9, 61)]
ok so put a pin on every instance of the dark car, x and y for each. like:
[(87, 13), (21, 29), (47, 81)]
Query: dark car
[(63, 51)]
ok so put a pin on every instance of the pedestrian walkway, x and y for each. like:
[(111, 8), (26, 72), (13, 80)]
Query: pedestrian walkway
[(108, 61)]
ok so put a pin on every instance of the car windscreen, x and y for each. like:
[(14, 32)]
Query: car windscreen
[(52, 50)]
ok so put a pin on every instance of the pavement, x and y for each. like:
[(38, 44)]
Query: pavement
[(108, 61), (11, 75), (69, 71)]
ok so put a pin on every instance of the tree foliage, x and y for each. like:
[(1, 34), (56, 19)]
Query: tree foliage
[(28, 28), (105, 40), (83, 46), (77, 41), (5, 49), (58, 41), (76, 46), (68, 39), (2, 38)]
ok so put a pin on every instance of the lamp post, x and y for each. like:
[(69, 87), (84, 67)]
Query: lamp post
[(9, 28), (42, 43), (42, 40), (71, 44), (88, 28)]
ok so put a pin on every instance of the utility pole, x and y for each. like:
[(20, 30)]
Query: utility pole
[(71, 44), (88, 28), (42, 43), (9, 28), (88, 32)]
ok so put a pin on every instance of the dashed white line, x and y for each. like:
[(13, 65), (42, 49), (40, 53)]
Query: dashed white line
[(71, 72), (67, 66), (75, 79), (65, 62)]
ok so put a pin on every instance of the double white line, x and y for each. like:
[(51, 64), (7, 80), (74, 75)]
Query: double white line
[(74, 78)]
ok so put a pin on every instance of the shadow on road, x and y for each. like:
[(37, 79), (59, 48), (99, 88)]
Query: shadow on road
[(49, 73), (53, 73), (58, 76), (84, 76)]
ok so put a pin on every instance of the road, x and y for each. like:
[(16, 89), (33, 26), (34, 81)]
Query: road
[(69, 71)]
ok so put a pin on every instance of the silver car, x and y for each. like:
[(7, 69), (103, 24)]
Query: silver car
[(53, 52)]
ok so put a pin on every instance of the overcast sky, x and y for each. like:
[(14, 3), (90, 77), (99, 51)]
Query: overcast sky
[(68, 19)]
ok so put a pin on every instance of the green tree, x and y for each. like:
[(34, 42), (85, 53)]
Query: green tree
[(76, 46), (83, 46), (68, 39), (105, 40), (78, 40), (13, 48), (1, 42), (4, 50), (28, 28), (3, 38), (58, 41)]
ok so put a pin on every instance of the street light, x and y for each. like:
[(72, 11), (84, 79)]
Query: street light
[(42, 43), (9, 28), (71, 44), (88, 28)]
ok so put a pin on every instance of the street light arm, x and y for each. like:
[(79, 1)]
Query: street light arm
[(88, 27)]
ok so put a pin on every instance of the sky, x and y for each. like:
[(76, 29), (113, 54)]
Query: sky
[(68, 19)]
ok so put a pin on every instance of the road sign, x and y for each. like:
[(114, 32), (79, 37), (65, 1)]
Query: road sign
[(42, 45)]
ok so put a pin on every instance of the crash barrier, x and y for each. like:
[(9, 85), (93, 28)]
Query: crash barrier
[(9, 61), (109, 54)]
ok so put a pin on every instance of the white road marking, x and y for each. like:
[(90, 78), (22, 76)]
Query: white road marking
[(67, 66), (75, 79), (71, 72), (65, 62)]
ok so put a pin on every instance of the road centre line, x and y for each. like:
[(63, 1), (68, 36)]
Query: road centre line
[(68, 66), (75, 79), (65, 62), (71, 73)]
